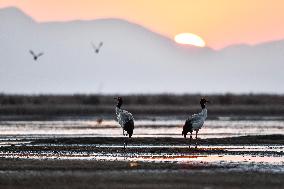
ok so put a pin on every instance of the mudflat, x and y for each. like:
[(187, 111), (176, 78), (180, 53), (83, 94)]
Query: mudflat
[(102, 162), (24, 173)]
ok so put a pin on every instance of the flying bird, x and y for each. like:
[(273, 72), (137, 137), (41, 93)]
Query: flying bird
[(36, 56), (97, 48), (195, 122), (125, 119)]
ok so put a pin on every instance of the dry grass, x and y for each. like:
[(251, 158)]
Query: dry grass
[(162, 104)]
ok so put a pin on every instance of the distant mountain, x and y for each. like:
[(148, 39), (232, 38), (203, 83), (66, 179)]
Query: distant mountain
[(133, 59)]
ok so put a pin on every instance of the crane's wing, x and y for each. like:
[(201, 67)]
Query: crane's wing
[(32, 53), (194, 118), (93, 45), (124, 116), (127, 115), (40, 54), (187, 121), (100, 45)]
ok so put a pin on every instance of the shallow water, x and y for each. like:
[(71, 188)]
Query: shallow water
[(251, 157), (143, 128)]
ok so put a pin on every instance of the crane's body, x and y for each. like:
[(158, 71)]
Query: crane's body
[(125, 120)]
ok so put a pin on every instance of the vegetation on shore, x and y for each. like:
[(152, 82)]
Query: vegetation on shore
[(159, 104)]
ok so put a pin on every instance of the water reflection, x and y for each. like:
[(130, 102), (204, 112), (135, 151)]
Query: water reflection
[(143, 128)]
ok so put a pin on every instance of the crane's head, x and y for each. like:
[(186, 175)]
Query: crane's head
[(117, 98), (119, 101), (203, 101)]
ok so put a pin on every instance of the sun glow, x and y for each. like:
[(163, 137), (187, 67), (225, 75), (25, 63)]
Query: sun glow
[(190, 39)]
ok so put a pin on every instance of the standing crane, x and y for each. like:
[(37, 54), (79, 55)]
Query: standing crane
[(125, 119), (195, 122)]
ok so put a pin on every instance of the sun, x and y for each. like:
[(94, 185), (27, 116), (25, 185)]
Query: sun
[(190, 39)]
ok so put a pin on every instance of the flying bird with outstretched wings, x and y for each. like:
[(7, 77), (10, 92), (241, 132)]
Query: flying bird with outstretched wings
[(97, 48), (36, 56)]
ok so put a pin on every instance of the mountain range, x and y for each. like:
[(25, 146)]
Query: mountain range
[(133, 59)]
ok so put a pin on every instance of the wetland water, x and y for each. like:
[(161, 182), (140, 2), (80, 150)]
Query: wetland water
[(19, 140), (143, 128)]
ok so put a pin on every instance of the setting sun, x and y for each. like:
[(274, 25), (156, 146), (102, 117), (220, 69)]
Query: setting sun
[(190, 39)]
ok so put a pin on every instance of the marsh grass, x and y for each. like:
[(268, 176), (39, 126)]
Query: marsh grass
[(160, 104)]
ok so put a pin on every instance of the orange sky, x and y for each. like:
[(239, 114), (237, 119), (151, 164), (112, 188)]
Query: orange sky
[(219, 22)]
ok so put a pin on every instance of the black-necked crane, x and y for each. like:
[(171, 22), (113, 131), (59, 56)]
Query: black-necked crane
[(124, 118), (195, 122), (97, 48), (35, 56)]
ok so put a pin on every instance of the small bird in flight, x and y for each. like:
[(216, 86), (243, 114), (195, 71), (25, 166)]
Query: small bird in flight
[(97, 48), (35, 56)]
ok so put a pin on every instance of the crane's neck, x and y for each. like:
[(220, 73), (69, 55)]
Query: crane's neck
[(203, 106), (204, 113), (117, 111), (119, 103)]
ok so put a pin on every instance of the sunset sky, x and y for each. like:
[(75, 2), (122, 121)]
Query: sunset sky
[(219, 22)]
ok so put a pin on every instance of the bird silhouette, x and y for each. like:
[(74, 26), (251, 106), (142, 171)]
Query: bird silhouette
[(195, 122), (36, 56), (99, 121), (97, 48)]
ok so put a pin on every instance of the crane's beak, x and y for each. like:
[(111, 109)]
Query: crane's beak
[(207, 101), (115, 98)]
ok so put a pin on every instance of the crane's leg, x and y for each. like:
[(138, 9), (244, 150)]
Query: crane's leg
[(190, 138), (126, 140), (124, 143), (196, 138)]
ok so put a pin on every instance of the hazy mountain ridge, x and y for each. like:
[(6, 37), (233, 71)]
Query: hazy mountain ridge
[(132, 59)]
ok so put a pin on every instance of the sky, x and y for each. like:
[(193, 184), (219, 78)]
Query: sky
[(220, 23)]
